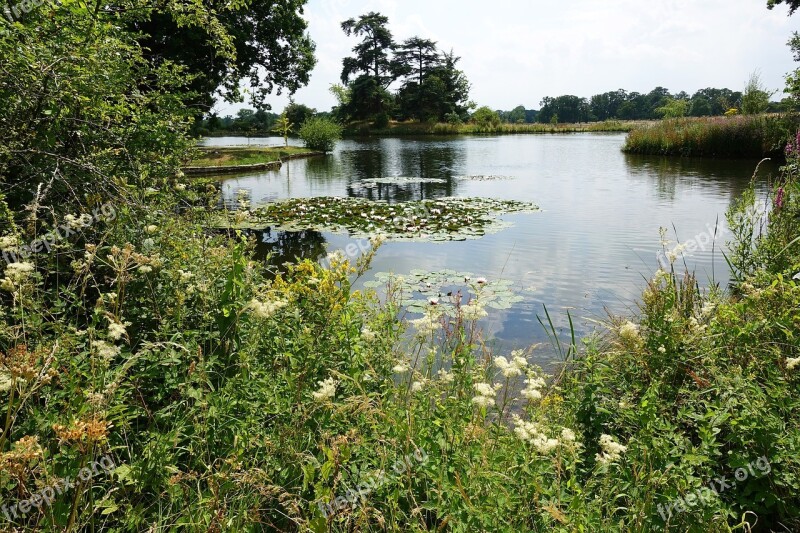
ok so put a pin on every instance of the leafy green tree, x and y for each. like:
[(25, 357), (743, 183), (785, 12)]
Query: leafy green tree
[(793, 4), (569, 109), (372, 65), (222, 44), (673, 108), (415, 59), (755, 98), (517, 115), (76, 122), (298, 114)]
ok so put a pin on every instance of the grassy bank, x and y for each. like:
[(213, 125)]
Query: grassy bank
[(737, 136), (421, 128), (237, 156)]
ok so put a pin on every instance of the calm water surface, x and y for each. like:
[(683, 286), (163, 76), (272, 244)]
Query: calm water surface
[(588, 252)]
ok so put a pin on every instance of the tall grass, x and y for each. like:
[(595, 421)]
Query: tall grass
[(737, 136), (421, 128)]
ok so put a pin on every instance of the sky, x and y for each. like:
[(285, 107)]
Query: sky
[(516, 52)]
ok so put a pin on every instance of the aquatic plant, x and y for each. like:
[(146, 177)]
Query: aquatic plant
[(443, 219)]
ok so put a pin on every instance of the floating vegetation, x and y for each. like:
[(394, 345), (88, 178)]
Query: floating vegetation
[(446, 289), (443, 219), (483, 178), (399, 180)]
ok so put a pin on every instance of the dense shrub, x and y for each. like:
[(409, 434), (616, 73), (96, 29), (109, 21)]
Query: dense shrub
[(320, 134)]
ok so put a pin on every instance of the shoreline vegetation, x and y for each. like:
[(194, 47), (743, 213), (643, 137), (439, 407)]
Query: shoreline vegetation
[(218, 160), (739, 136)]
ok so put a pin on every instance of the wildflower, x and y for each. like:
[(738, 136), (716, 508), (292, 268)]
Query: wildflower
[(708, 308), (327, 390), (18, 271), (116, 331), (629, 332), (335, 257), (791, 363), (265, 309), (367, 334), (696, 327), (427, 325), (417, 386), (151, 229), (106, 351), (485, 396), (612, 450), (662, 349), (180, 186), (567, 435), (473, 311), (401, 368), (185, 276), (543, 444), (145, 269), (9, 242), (532, 391), (5, 381), (445, 376), (513, 368)]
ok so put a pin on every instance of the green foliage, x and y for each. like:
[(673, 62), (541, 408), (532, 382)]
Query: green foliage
[(731, 136), (755, 98), (320, 134), (673, 108), (485, 117), (284, 126)]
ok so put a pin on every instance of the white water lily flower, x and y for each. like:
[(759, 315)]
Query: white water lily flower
[(481, 281), (327, 390)]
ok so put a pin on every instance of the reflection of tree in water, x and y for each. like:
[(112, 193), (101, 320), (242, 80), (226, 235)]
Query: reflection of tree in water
[(289, 246), (731, 175), (414, 161)]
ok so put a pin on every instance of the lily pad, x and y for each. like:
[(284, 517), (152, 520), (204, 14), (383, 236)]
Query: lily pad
[(444, 219), (446, 289)]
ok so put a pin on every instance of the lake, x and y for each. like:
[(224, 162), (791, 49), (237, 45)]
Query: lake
[(588, 252)]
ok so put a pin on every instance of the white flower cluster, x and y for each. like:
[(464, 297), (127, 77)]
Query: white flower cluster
[(486, 395), (612, 450), (401, 368), (675, 253), (326, 392), (266, 309), (367, 334), (445, 376), (9, 242), (106, 351), (428, 324), (533, 433), (792, 363), (533, 388), (15, 274), (629, 332), (473, 310), (79, 221), (515, 367), (116, 331)]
